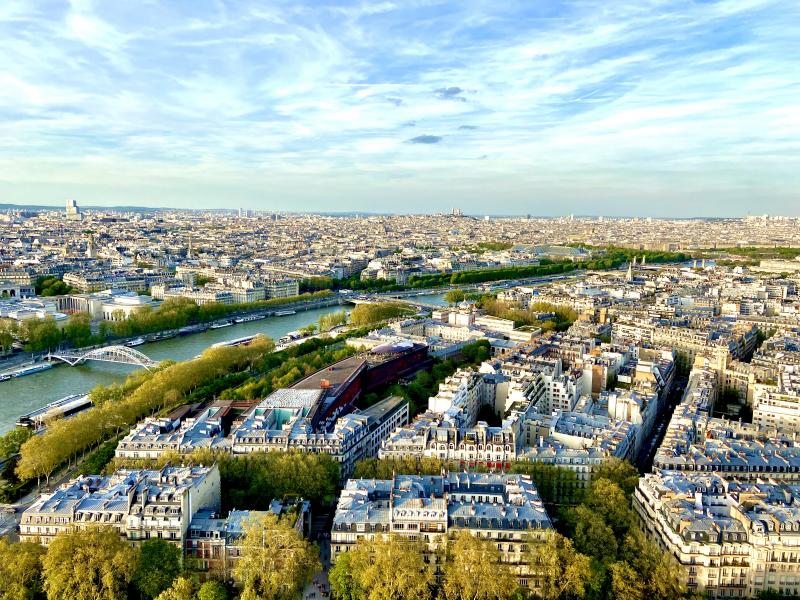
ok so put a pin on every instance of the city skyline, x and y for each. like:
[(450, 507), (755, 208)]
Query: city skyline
[(674, 108)]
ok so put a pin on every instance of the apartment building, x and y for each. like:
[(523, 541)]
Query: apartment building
[(139, 504), (506, 509), (733, 538)]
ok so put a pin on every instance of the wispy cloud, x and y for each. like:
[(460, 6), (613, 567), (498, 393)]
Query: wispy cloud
[(683, 104), (426, 139)]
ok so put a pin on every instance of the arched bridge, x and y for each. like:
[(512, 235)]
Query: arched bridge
[(115, 354)]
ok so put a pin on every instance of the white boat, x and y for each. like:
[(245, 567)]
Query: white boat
[(135, 342), (285, 313), (31, 369), (242, 341), (221, 325), (249, 318)]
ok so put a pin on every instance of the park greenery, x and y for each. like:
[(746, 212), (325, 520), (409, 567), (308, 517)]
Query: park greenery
[(276, 561), (174, 313), (756, 253), (51, 286), (602, 259), (332, 320), (144, 393), (455, 296), (375, 312), (550, 317)]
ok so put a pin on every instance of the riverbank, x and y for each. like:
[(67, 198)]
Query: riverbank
[(22, 395)]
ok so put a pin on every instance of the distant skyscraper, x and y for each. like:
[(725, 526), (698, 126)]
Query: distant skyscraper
[(73, 212)]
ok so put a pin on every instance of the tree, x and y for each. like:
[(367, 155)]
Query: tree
[(662, 577), (344, 585), (331, 320), (366, 314), (212, 590), (159, 565), (563, 571), (181, 589), (607, 499), (390, 567), (592, 536), (625, 582), (618, 471), (78, 330), (41, 334), (474, 570), (276, 562), (90, 564), (11, 441), (454, 296), (20, 570)]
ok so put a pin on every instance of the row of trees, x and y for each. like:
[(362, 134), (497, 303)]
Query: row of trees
[(158, 390), (288, 371), (174, 313), (331, 320), (367, 314), (607, 258), (254, 480), (470, 568), (561, 319), (275, 563)]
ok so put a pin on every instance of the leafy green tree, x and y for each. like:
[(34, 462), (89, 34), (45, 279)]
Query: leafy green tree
[(564, 573), (662, 577), (331, 320), (181, 589), (607, 499), (212, 590), (78, 330), (592, 536), (159, 565), (391, 567), (620, 472), (366, 314), (474, 570), (7, 337), (11, 441), (344, 584), (276, 562), (20, 570), (454, 296), (41, 334), (625, 582), (90, 564)]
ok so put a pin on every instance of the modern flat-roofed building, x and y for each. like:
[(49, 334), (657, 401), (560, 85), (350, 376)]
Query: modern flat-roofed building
[(282, 422), (140, 505)]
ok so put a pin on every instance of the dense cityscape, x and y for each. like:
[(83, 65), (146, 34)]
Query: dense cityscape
[(399, 300), (480, 407)]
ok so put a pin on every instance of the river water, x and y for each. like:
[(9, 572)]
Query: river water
[(24, 394)]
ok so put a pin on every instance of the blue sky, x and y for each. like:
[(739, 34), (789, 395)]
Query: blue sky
[(647, 107)]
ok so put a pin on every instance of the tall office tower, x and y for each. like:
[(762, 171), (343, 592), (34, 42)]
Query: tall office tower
[(73, 212)]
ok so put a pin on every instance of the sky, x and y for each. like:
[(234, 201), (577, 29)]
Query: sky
[(645, 107)]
